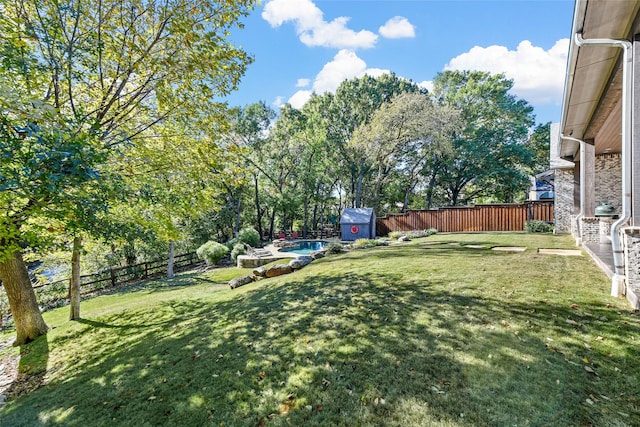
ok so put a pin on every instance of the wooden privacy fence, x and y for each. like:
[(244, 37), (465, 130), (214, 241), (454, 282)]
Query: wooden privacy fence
[(498, 217)]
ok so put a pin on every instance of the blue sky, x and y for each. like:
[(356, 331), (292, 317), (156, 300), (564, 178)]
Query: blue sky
[(301, 46)]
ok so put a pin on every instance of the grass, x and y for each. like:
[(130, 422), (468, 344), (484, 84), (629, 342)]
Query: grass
[(425, 333)]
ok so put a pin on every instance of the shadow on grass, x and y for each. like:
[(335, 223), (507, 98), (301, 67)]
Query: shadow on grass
[(342, 349)]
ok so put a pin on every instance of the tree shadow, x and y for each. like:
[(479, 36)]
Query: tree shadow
[(338, 349), (32, 367)]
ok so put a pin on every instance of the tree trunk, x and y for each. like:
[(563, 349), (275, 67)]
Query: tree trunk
[(258, 210), (74, 282), (314, 221), (306, 218), (22, 300), (407, 194), (172, 254), (236, 226), (272, 223), (359, 190)]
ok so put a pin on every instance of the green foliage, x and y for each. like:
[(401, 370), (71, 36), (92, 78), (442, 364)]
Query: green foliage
[(363, 243), (212, 252), (249, 236), (395, 235), (238, 249), (416, 234), (536, 226), (538, 143), (334, 248), (490, 155)]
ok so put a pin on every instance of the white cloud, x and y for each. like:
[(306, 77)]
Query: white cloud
[(538, 74), (278, 102), (303, 82), (311, 27), (300, 98), (397, 27), (427, 84), (345, 65)]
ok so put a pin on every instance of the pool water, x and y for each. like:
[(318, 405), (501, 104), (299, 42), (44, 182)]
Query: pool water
[(305, 248)]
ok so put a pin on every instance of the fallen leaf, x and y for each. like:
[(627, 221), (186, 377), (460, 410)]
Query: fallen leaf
[(261, 422), (590, 370), (378, 401), (586, 360), (319, 408), (261, 375), (574, 306), (599, 338), (152, 398), (589, 401), (572, 322)]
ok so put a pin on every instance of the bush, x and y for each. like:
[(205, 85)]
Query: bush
[(249, 236), (238, 249), (334, 248), (416, 234), (363, 243), (395, 235), (536, 226), (212, 252), (230, 244)]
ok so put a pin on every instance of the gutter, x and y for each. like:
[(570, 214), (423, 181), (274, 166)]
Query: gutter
[(618, 280), (583, 189)]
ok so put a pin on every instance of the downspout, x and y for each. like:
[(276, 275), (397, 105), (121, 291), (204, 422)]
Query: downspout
[(583, 189), (618, 280)]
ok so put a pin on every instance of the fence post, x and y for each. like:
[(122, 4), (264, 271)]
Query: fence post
[(113, 277)]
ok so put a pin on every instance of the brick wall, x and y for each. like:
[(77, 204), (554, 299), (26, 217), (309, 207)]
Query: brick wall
[(563, 209), (590, 230), (608, 182), (632, 254)]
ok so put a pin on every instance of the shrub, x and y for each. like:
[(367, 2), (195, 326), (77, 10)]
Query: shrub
[(537, 226), (334, 248), (363, 243), (230, 244), (395, 235), (249, 236), (238, 249), (212, 252)]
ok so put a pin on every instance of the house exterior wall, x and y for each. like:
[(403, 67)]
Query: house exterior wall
[(608, 183), (590, 230), (631, 242), (563, 205)]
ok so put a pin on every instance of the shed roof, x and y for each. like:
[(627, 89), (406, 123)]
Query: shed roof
[(356, 216)]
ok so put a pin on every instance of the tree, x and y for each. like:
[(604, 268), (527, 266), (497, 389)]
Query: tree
[(250, 130), (88, 81), (353, 105), (539, 145), (401, 135), (490, 155)]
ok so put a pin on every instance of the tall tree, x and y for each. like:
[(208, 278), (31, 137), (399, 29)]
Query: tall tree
[(490, 155), (539, 145), (353, 105), (90, 80), (402, 134)]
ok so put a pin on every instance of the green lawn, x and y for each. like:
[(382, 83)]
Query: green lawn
[(425, 333)]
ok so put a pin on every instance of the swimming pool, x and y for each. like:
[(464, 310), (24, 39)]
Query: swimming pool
[(305, 247)]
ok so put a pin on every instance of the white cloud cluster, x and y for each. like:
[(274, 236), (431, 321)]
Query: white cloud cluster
[(397, 27), (538, 74), (345, 65), (311, 27)]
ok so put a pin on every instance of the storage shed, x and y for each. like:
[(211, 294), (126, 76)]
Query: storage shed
[(358, 223)]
